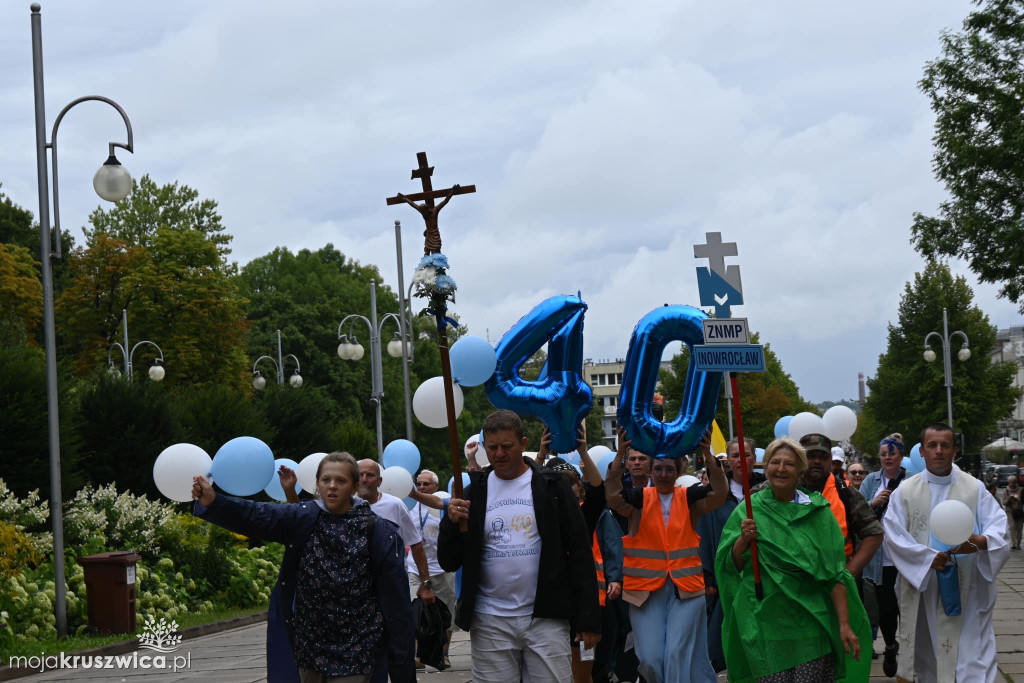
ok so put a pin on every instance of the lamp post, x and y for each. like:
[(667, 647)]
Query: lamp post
[(156, 371), (963, 354), (113, 183), (259, 382), (351, 349), (405, 342)]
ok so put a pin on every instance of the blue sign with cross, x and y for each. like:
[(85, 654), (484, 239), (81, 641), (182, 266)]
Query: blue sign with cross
[(718, 285)]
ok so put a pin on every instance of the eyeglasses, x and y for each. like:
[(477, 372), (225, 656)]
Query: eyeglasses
[(424, 483), (857, 473)]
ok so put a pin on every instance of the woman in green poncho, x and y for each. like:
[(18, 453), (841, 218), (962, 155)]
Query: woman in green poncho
[(811, 626)]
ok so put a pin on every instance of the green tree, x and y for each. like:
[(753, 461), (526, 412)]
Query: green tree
[(907, 393), (21, 295), (18, 228), (764, 396), (976, 88), (136, 219), (160, 255)]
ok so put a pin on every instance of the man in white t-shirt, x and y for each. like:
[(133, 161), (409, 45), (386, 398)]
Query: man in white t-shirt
[(527, 567), (388, 507)]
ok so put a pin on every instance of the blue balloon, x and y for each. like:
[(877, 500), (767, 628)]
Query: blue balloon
[(274, 488), (409, 502), (402, 453), (473, 361), (759, 452), (910, 466), (465, 483), (243, 466), (782, 426), (572, 458), (561, 399), (916, 458), (640, 378), (604, 462)]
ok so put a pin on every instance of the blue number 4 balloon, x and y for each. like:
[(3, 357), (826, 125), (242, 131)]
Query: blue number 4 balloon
[(559, 397), (640, 378)]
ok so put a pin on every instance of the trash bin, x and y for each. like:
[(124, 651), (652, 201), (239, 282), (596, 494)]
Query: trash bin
[(110, 590)]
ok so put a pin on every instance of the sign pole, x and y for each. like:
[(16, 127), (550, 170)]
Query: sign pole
[(758, 589)]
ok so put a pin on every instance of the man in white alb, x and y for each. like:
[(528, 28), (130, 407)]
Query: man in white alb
[(935, 648)]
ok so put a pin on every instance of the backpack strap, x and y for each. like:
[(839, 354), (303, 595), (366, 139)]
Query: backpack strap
[(844, 497)]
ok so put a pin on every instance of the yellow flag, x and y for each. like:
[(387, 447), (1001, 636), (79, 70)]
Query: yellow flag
[(718, 443)]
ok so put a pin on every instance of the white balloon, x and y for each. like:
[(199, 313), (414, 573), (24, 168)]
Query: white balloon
[(175, 467), (952, 522), (803, 424), (429, 406), (687, 480), (840, 423), (397, 481), (306, 471), (443, 495), (597, 451)]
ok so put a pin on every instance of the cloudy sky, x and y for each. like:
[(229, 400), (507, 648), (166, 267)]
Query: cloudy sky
[(605, 139)]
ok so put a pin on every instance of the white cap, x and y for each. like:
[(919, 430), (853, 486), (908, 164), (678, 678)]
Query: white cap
[(838, 454)]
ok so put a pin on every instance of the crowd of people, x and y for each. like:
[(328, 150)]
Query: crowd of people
[(779, 573)]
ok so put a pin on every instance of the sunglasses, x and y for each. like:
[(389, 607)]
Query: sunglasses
[(424, 483), (856, 473)]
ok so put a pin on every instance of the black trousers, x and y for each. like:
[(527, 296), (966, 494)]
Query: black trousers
[(888, 605)]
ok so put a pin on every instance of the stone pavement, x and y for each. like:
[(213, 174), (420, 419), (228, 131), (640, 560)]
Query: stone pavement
[(237, 656)]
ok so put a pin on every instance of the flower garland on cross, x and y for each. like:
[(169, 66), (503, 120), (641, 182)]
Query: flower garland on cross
[(432, 282)]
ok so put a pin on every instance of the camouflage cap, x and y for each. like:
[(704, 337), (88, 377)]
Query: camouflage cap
[(817, 442)]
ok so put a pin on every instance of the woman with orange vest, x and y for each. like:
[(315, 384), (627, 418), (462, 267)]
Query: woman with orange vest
[(663, 580)]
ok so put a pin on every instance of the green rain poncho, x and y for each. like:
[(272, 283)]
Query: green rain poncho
[(800, 551)]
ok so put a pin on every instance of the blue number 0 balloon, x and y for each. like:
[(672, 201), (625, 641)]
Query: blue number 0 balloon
[(640, 378), (559, 397)]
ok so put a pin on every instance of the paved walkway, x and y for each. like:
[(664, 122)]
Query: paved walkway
[(238, 656)]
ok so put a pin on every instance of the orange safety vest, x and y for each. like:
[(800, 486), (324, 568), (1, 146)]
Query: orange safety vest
[(831, 494), (659, 550), (602, 588)]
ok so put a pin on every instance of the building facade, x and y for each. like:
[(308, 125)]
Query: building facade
[(605, 379), (1010, 349)]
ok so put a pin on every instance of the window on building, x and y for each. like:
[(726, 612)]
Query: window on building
[(618, 378)]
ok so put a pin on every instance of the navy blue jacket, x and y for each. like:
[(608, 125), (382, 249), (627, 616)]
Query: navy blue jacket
[(292, 524)]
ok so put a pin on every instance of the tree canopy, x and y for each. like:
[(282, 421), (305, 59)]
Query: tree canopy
[(976, 88), (908, 393)]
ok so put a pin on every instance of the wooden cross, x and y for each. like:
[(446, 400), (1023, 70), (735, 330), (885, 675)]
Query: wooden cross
[(432, 235)]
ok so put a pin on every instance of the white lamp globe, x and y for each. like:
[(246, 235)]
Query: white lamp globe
[(357, 351), (395, 348), (295, 380), (156, 373), (259, 383), (344, 351), (113, 371), (929, 355), (963, 354), (112, 181)]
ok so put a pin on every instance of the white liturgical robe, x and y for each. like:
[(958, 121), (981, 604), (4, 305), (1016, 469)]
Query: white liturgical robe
[(930, 651)]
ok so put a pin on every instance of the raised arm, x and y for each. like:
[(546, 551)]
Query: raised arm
[(590, 472), (716, 477), (613, 480), (267, 521)]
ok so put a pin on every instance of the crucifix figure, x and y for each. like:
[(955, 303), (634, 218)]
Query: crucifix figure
[(432, 235)]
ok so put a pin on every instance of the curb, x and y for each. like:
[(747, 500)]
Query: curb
[(9, 673)]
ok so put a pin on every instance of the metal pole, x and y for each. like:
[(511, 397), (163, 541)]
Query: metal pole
[(42, 176), (948, 367), (375, 369), (401, 331), (127, 356), (280, 362)]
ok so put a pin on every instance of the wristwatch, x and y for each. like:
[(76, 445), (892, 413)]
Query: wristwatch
[(427, 584)]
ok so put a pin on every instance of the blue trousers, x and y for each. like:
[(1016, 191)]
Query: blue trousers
[(671, 638)]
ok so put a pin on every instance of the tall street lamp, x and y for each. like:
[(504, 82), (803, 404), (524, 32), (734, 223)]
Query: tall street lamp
[(156, 371), (963, 354), (405, 330), (259, 382), (351, 349), (113, 183)]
